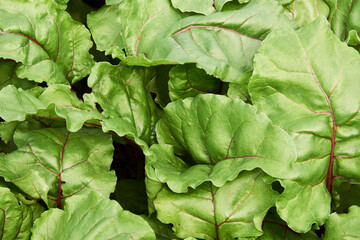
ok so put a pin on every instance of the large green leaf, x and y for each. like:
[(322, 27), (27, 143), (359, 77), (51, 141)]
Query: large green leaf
[(343, 226), (54, 164), (235, 210), (222, 43), (305, 11), (57, 101), (51, 46), (344, 17), (91, 217), (222, 136), (189, 81), (16, 217), (306, 81), (123, 93)]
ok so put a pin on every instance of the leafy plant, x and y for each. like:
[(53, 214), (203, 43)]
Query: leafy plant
[(166, 119)]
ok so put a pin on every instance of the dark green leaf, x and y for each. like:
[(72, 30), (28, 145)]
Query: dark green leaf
[(189, 81)]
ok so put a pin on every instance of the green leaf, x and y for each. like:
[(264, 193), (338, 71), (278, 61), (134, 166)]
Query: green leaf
[(57, 101), (304, 12), (162, 231), (239, 88), (275, 229), (214, 42), (59, 164), (8, 76), (123, 93), (343, 226), (90, 217), (235, 210), (7, 130), (62, 3), (223, 137), (113, 2), (189, 81), (344, 17), (305, 81), (16, 217), (65, 104), (160, 85), (19, 104), (105, 26), (51, 46), (201, 6), (224, 43)]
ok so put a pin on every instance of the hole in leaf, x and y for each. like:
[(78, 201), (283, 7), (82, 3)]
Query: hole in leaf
[(129, 162), (95, 3), (99, 108), (80, 88), (43, 84), (276, 186)]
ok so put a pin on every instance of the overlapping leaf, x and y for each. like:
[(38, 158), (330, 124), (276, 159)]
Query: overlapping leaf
[(306, 81), (274, 230), (304, 12), (223, 43), (106, 30), (57, 101), (123, 94), (344, 17), (16, 217), (54, 164), (8, 76), (51, 46), (189, 81), (91, 217), (235, 210), (343, 226), (222, 136)]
